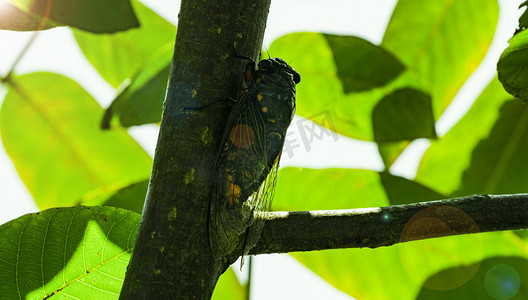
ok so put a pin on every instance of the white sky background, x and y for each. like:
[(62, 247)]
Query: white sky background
[(277, 276)]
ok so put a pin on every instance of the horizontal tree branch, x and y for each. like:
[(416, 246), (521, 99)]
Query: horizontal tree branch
[(385, 226)]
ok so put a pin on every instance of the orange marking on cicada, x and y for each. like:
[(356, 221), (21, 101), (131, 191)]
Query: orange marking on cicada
[(249, 75), (242, 136), (234, 193)]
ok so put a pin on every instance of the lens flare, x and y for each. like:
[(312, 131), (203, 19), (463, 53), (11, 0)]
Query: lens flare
[(502, 282)]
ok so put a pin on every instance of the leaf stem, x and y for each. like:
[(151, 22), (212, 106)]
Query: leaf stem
[(20, 56), (248, 284)]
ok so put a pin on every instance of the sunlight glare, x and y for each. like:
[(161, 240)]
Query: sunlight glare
[(3, 4)]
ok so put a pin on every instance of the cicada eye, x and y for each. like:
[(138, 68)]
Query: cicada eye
[(264, 64), (296, 77)]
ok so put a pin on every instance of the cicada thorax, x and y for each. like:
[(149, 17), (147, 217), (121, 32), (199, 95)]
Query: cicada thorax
[(248, 158)]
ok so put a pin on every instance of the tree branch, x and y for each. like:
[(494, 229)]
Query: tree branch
[(171, 257), (385, 226)]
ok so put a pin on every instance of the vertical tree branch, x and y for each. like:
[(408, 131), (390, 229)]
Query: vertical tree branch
[(171, 258)]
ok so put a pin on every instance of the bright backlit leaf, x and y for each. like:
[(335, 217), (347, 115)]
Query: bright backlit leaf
[(400, 190), (513, 66), (78, 252), (12, 18), (131, 197), (360, 64), (348, 188), (402, 269), (502, 278), (442, 42), (399, 118), (455, 148), (50, 129), (228, 287), (422, 42), (523, 20), (119, 56), (497, 162), (91, 15), (328, 75), (141, 101), (405, 114)]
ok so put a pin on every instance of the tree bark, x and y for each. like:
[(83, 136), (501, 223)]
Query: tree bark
[(385, 226), (171, 257)]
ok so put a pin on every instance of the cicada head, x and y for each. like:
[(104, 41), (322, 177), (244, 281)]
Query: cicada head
[(280, 67)]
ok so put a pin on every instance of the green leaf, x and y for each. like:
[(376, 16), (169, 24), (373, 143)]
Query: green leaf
[(440, 47), (497, 162), (513, 66), (523, 20), (496, 278), (12, 18), (228, 287), (50, 129), (523, 234), (362, 65), (76, 252), (390, 151), (455, 148), (405, 114), (442, 42), (316, 189), (403, 191), (403, 269), (141, 101), (322, 91), (120, 56), (90, 15), (131, 197)]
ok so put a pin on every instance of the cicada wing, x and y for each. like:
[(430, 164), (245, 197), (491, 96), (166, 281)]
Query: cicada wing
[(261, 203), (235, 166), (264, 195)]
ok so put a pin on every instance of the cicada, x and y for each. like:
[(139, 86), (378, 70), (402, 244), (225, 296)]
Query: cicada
[(248, 158)]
